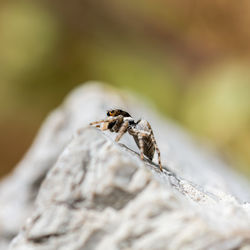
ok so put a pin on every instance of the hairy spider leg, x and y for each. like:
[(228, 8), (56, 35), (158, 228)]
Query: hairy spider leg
[(141, 145), (140, 136), (101, 121), (108, 120), (156, 146), (116, 127), (122, 131)]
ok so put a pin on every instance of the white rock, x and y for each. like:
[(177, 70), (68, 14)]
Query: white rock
[(100, 194)]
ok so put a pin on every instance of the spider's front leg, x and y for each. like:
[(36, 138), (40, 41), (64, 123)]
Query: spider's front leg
[(106, 122), (122, 131), (97, 124)]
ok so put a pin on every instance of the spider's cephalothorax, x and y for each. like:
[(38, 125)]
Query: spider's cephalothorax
[(120, 122)]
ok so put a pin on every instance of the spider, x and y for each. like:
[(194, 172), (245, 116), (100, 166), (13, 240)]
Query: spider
[(120, 122)]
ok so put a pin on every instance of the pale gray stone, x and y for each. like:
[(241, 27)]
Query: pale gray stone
[(98, 194)]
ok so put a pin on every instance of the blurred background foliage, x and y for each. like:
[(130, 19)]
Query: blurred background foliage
[(189, 57)]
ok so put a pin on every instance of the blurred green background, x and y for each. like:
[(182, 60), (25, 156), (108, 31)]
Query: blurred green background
[(190, 57)]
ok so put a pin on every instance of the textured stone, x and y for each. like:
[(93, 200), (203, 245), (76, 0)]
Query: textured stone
[(99, 194)]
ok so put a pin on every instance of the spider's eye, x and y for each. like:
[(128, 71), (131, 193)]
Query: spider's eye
[(110, 113)]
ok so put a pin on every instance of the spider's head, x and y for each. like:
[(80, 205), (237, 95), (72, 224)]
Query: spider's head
[(116, 112)]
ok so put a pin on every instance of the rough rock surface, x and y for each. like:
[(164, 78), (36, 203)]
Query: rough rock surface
[(98, 194)]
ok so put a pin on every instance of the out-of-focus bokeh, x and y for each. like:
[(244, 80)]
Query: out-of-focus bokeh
[(189, 57)]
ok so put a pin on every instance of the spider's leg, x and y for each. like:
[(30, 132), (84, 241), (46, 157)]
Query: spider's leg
[(156, 146), (117, 125), (134, 131), (157, 150), (141, 145), (140, 135), (97, 122), (110, 119), (122, 131)]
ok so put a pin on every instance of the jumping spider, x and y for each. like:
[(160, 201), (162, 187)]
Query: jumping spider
[(120, 122)]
